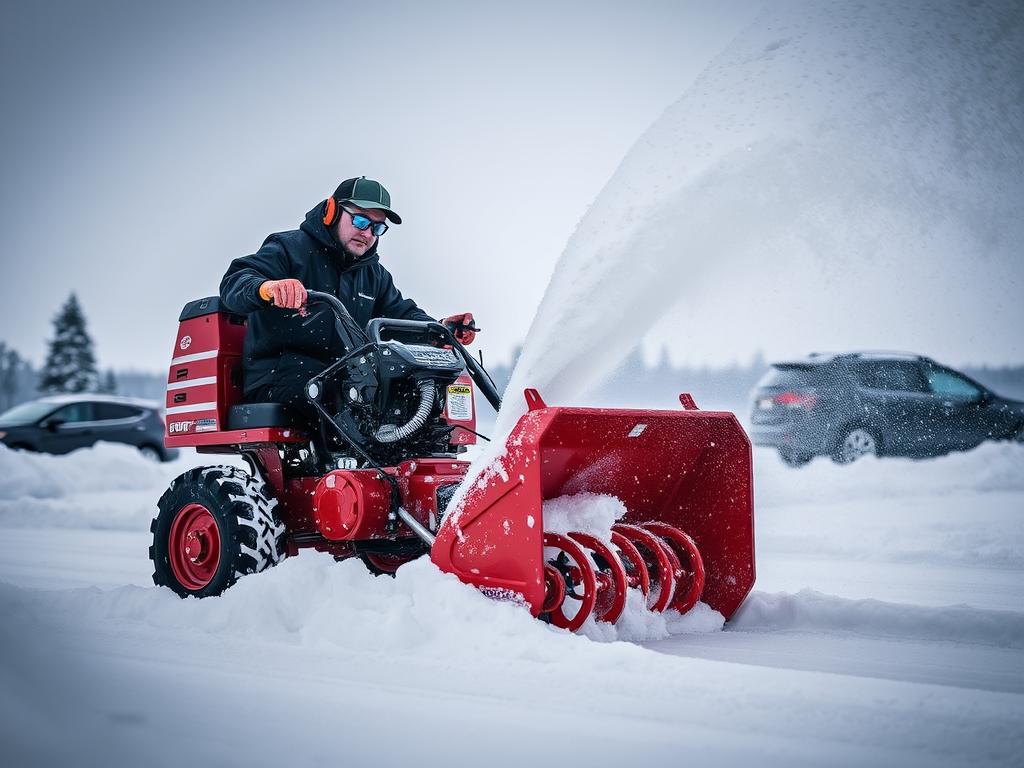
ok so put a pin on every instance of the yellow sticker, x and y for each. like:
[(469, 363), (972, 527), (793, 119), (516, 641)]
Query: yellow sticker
[(460, 402)]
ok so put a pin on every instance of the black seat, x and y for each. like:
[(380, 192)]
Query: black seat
[(253, 415)]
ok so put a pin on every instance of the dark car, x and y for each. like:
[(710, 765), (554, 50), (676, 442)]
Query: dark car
[(887, 404), (62, 423)]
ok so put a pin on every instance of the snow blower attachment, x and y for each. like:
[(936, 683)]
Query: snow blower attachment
[(684, 477), (380, 479)]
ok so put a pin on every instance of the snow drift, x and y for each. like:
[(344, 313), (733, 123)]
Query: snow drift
[(108, 486), (811, 611), (989, 468)]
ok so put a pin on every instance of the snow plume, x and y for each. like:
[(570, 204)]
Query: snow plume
[(877, 145)]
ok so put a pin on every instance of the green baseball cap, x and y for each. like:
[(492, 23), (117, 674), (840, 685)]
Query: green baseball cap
[(366, 193)]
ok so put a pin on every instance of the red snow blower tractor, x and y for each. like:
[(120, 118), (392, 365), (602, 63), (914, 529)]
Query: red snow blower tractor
[(378, 478)]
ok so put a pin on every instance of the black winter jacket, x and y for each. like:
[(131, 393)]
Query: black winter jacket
[(281, 346)]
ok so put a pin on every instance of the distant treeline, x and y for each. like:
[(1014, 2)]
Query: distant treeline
[(633, 382), (728, 387), (20, 381)]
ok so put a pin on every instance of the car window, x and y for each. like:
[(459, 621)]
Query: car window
[(26, 413), (105, 411), (892, 375), (74, 412), (787, 376), (949, 384)]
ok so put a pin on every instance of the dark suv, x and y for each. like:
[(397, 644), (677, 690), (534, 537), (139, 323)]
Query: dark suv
[(887, 404), (62, 423)]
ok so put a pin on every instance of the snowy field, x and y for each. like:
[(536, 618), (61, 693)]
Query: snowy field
[(886, 628)]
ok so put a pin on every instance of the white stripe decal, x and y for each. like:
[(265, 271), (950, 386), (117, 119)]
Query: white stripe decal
[(192, 408), (193, 383), (193, 357)]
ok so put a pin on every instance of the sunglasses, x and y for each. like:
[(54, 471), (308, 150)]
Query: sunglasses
[(363, 222)]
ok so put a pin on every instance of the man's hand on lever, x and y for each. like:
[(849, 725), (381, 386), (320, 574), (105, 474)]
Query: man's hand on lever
[(462, 326), (286, 294)]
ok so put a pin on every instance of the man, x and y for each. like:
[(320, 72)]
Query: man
[(335, 251)]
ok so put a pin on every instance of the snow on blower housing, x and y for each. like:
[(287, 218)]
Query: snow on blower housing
[(378, 480)]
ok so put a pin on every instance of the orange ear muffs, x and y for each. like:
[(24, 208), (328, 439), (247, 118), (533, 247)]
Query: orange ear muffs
[(330, 212)]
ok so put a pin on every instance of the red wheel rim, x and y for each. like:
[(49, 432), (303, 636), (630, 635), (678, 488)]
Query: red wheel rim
[(611, 579), (581, 574), (690, 581), (659, 566), (193, 547)]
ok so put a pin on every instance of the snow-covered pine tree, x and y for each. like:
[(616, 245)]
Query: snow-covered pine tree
[(70, 364), (10, 366)]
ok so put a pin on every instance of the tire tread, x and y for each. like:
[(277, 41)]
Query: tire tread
[(252, 534)]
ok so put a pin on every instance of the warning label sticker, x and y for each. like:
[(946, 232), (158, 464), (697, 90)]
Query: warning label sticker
[(460, 402)]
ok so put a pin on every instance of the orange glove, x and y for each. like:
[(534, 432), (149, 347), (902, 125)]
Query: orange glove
[(462, 326), (287, 294)]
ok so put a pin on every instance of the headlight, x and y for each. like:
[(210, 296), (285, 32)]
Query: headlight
[(3, 435)]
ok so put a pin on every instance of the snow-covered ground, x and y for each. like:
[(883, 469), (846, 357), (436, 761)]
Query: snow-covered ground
[(886, 627), (887, 622)]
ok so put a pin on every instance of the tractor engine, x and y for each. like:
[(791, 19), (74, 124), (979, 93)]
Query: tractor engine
[(395, 400)]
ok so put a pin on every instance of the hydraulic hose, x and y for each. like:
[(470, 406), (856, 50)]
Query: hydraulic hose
[(389, 433)]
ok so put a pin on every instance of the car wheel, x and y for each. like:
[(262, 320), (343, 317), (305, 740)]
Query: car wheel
[(794, 459), (214, 525), (151, 453), (856, 443)]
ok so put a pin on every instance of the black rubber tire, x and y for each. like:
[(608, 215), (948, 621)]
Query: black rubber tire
[(842, 454), (794, 460), (150, 451), (251, 532)]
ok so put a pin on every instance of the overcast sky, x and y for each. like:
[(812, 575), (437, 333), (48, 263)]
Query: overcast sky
[(145, 145)]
